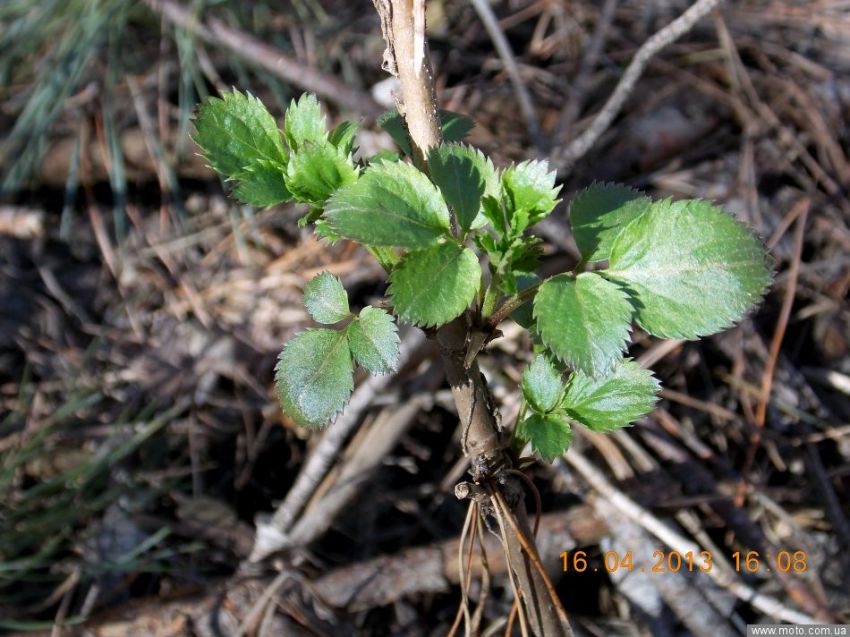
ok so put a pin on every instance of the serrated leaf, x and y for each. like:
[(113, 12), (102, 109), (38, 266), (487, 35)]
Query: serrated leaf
[(373, 339), (541, 384), (604, 403), (343, 137), (384, 155), (236, 131), (316, 171), (392, 204), (599, 213), (584, 320), (463, 174), (304, 122), (262, 184), (495, 213), (325, 299), (690, 268), (314, 376), (530, 193), (550, 435), (393, 123), (455, 128), (324, 232), (433, 286)]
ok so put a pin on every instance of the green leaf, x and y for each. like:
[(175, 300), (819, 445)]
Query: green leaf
[(530, 193), (324, 232), (541, 384), (550, 435), (316, 171), (384, 155), (690, 268), (326, 299), (343, 137), (373, 338), (236, 131), (394, 124), (304, 122), (599, 213), (524, 314), (314, 376), (463, 174), (392, 204), (433, 286), (262, 184), (518, 256), (455, 128), (625, 394), (584, 320)]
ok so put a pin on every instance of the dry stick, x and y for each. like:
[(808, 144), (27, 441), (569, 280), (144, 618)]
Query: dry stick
[(271, 536), (801, 211), (379, 439), (268, 57), (503, 48), (770, 606), (578, 147), (581, 84)]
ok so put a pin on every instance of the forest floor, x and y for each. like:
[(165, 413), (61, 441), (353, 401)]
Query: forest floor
[(141, 313)]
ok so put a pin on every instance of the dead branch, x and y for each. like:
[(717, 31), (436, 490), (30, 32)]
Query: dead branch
[(631, 509), (272, 534), (565, 159), (268, 57), (506, 54)]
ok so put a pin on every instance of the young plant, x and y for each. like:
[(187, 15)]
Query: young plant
[(453, 233), (455, 239)]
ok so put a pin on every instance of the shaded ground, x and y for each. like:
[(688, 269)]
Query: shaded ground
[(141, 313)]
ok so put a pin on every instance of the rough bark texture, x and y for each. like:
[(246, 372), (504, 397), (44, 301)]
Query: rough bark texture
[(402, 22)]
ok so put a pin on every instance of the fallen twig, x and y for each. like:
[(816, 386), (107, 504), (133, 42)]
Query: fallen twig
[(268, 57), (801, 212), (631, 509), (506, 54), (565, 159), (272, 535)]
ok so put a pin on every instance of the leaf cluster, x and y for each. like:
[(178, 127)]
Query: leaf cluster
[(315, 370), (455, 236)]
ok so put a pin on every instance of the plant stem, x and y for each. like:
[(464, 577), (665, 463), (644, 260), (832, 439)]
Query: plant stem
[(482, 440), (511, 305), (387, 257)]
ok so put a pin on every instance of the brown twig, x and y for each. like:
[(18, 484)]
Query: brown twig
[(272, 536), (801, 212), (565, 159), (631, 509), (506, 54), (268, 57), (581, 84)]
